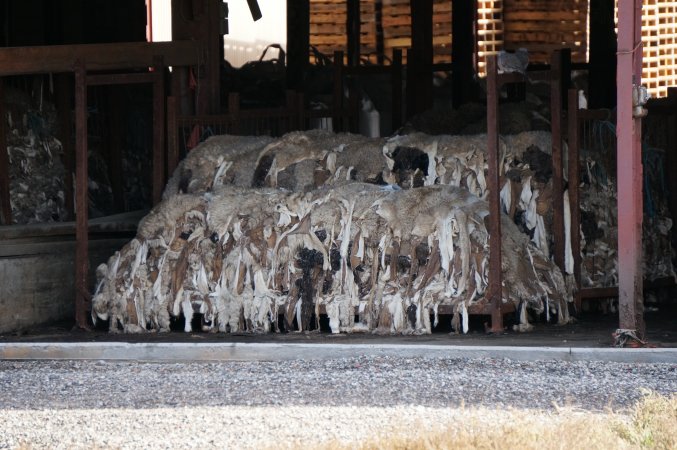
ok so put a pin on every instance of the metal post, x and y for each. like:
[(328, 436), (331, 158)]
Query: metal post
[(81, 198), (629, 166), (495, 293)]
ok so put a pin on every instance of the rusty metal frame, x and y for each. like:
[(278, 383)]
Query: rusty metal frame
[(629, 167)]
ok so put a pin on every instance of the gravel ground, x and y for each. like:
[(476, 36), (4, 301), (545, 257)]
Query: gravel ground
[(86, 404)]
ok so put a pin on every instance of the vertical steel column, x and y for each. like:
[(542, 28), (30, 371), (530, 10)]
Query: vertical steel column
[(5, 205), (495, 293), (629, 166), (574, 182), (158, 129), (81, 198), (557, 178)]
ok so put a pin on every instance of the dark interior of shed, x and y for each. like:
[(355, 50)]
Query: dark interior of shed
[(124, 171)]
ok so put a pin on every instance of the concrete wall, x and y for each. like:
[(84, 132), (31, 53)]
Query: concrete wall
[(37, 278)]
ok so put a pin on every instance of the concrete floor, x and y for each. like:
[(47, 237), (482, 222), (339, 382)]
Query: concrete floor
[(590, 331)]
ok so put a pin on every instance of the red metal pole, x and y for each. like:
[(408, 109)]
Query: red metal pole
[(495, 293), (81, 198), (629, 163)]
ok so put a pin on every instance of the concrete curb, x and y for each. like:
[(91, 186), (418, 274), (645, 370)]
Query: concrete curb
[(122, 351)]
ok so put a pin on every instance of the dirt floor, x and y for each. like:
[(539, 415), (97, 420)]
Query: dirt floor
[(590, 330)]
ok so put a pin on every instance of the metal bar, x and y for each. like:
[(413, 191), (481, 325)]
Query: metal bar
[(495, 293), (574, 182), (557, 173), (81, 198), (120, 78), (396, 81), (158, 129), (5, 205), (121, 55), (172, 135), (629, 166)]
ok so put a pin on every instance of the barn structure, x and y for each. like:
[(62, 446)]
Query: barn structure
[(395, 162)]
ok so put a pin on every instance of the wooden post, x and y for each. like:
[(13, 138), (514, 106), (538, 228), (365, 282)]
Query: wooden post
[(602, 65), (629, 166), (337, 121), (420, 66), (495, 293), (158, 129), (353, 26), (82, 297), (298, 42), (172, 135), (463, 51), (557, 173), (396, 77), (574, 182), (380, 38), (5, 205)]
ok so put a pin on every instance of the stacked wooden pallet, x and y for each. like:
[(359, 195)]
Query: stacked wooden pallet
[(392, 26), (545, 25), (659, 39)]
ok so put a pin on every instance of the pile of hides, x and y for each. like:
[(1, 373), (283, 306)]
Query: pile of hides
[(238, 256), (599, 221), (317, 221), (35, 169)]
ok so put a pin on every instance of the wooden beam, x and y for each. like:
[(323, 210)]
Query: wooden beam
[(629, 167), (123, 55), (574, 181)]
